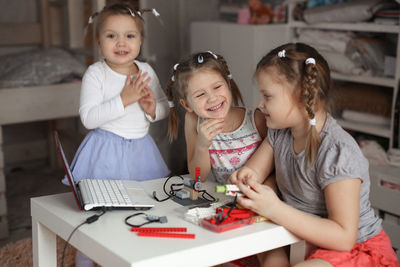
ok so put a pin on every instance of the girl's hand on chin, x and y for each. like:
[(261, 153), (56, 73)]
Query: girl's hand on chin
[(208, 129)]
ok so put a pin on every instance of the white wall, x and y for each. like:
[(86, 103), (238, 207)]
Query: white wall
[(242, 46), (163, 46), (17, 11)]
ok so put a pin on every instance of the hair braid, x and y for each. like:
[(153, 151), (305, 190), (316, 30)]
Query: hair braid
[(311, 83), (310, 91), (309, 88)]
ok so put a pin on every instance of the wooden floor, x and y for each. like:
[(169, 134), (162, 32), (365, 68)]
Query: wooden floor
[(22, 184)]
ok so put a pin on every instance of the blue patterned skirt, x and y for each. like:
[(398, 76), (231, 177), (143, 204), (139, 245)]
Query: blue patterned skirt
[(104, 155)]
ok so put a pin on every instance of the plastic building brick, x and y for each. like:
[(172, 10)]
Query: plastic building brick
[(182, 194), (194, 194), (228, 189), (158, 229), (194, 215), (228, 218), (188, 182), (192, 187), (212, 225), (235, 213), (260, 218), (167, 235), (197, 183)]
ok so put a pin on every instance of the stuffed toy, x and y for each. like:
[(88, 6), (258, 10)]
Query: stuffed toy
[(260, 13)]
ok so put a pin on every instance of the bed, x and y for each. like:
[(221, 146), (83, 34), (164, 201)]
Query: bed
[(33, 103)]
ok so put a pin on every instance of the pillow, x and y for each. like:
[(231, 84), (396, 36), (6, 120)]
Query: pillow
[(340, 63), (335, 41), (39, 67)]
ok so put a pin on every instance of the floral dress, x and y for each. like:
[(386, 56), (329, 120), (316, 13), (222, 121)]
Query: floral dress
[(230, 151)]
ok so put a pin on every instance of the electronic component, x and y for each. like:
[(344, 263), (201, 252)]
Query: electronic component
[(228, 189), (182, 194)]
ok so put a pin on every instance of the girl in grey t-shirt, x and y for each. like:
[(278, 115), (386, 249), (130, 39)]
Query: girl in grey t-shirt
[(320, 171)]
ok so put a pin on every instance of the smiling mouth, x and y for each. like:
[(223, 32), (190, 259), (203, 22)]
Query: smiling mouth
[(121, 52), (215, 107)]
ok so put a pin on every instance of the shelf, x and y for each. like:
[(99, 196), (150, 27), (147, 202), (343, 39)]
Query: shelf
[(382, 81), (378, 130), (362, 26)]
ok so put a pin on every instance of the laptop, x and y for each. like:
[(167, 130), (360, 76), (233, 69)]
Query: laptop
[(92, 194)]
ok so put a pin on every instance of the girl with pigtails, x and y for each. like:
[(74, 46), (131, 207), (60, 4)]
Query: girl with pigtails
[(320, 171), (220, 136), (120, 97)]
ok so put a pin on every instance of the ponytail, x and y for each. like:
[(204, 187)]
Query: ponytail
[(173, 119), (236, 95), (153, 11)]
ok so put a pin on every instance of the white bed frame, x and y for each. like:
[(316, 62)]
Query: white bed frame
[(35, 103)]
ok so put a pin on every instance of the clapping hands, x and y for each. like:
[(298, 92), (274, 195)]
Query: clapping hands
[(135, 89), (148, 103)]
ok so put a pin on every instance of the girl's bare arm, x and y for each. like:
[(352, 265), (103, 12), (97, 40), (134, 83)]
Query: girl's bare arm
[(197, 156)]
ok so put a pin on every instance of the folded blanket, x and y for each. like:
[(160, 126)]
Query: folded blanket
[(333, 41), (367, 118), (355, 11)]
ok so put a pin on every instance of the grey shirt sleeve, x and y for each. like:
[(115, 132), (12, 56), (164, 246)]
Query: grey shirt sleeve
[(341, 160)]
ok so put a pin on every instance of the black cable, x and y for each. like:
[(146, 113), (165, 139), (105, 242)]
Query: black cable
[(175, 187), (136, 225), (149, 218), (172, 191), (205, 193), (89, 220), (219, 217)]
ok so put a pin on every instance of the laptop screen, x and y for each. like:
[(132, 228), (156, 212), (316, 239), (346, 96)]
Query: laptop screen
[(67, 170)]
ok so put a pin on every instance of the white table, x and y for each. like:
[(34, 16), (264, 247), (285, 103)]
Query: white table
[(109, 241)]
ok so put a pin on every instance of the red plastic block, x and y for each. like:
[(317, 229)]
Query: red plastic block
[(158, 229), (197, 173), (236, 213), (167, 235), (227, 224)]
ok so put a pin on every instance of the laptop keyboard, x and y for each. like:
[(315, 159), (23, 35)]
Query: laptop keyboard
[(106, 192)]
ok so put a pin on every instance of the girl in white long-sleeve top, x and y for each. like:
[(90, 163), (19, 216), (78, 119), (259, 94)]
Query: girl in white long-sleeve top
[(120, 97)]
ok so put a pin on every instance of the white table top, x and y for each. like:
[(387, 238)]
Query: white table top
[(109, 241)]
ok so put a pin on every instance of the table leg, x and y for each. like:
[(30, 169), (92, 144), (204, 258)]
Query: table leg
[(51, 145), (44, 245), (3, 197), (297, 252)]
